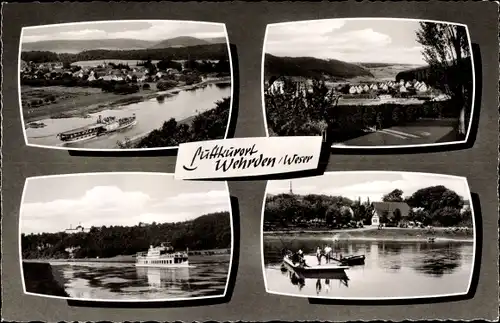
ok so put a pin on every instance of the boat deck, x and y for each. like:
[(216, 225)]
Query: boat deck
[(80, 129), (316, 268)]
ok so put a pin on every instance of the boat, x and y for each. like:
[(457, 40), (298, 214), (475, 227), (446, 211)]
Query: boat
[(101, 127), (161, 256), (351, 260), (301, 268)]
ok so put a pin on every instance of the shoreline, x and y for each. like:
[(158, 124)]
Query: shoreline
[(129, 259), (113, 102), (373, 234)]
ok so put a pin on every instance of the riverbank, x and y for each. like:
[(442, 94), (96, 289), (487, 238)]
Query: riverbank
[(39, 278), (80, 102), (369, 233), (194, 255)]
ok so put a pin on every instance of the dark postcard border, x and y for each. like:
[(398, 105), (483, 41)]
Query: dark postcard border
[(235, 256)]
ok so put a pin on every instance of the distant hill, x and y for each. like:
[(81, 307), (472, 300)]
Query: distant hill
[(216, 40), (312, 67), (76, 46), (199, 52), (183, 41)]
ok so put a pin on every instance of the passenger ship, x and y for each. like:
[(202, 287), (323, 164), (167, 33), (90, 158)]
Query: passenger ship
[(101, 127), (161, 257)]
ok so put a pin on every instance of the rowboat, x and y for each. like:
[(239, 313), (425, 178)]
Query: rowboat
[(351, 260), (300, 268)]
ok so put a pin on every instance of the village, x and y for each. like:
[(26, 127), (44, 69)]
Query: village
[(382, 91), (143, 72), (338, 213)]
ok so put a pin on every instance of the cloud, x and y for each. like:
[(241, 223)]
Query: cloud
[(328, 40), (199, 199), (109, 205), (145, 30), (372, 187)]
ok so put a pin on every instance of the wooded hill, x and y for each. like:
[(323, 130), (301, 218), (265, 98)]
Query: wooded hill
[(210, 231), (79, 45), (311, 67), (199, 52)]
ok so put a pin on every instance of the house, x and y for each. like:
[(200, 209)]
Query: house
[(366, 88), (385, 87), (379, 208), (353, 90), (408, 85), (77, 229), (422, 87), (78, 74), (402, 89), (466, 206), (171, 71), (374, 87), (359, 89)]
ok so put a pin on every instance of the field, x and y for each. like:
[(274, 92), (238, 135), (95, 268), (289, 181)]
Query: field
[(389, 72)]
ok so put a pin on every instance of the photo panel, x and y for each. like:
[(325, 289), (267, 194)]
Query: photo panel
[(369, 236), (124, 84), (125, 237), (369, 82)]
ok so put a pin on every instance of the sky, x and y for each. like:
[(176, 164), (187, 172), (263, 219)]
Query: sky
[(116, 199), (154, 30), (364, 40), (372, 185)]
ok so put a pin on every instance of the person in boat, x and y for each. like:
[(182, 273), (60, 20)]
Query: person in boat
[(302, 260), (328, 253)]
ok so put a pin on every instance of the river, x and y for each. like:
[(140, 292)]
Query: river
[(392, 269), (151, 114), (124, 281)]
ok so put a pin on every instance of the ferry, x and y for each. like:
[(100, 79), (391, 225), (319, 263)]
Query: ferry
[(101, 127), (161, 257)]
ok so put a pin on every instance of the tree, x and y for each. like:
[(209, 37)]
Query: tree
[(394, 196), (333, 216), (384, 217), (446, 50), (435, 197), (397, 216)]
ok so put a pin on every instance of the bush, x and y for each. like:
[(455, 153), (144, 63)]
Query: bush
[(164, 85), (146, 86)]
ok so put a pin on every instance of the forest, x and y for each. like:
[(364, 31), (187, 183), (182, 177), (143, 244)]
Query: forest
[(208, 125), (434, 205), (210, 231), (312, 67), (199, 52)]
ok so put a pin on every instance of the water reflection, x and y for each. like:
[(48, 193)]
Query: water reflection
[(207, 277), (437, 264), (163, 277), (392, 269)]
